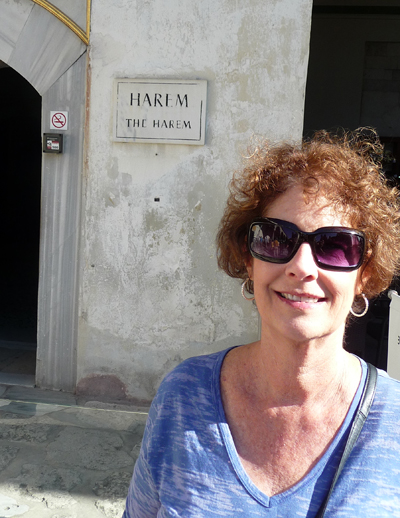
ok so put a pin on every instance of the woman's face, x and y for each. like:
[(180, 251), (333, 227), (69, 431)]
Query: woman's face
[(298, 299)]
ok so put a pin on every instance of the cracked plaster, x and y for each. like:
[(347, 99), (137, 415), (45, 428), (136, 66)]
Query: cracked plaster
[(151, 294)]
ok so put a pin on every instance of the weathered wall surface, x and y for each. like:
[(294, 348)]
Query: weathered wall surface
[(151, 294)]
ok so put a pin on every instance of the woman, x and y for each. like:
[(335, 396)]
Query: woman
[(258, 430)]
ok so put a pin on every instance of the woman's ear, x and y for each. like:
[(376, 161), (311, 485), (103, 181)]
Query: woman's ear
[(249, 265), (363, 278)]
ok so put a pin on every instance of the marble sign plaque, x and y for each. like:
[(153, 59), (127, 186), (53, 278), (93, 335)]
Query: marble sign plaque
[(160, 111)]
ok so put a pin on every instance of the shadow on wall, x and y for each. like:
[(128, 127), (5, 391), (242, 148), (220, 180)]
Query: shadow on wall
[(108, 388)]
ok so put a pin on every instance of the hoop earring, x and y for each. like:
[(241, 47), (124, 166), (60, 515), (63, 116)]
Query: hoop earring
[(366, 301), (244, 287)]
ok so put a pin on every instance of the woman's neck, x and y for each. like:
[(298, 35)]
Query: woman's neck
[(285, 372)]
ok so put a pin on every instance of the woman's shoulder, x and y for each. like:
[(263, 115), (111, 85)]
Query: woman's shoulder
[(197, 373), (385, 410), (188, 394), (195, 364), (195, 367), (384, 381), (388, 387)]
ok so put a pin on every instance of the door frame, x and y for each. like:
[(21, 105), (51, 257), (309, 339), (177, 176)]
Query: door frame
[(56, 66)]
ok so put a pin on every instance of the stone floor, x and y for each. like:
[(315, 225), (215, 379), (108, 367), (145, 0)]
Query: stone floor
[(62, 460)]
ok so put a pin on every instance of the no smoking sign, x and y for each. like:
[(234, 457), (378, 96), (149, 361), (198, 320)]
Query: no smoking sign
[(59, 120)]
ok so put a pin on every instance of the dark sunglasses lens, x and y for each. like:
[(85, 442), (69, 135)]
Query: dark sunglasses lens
[(339, 249), (272, 241)]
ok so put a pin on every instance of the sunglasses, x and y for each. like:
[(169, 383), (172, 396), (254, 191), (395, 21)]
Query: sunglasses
[(334, 248)]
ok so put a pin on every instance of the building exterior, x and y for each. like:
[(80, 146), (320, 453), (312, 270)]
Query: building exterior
[(128, 283)]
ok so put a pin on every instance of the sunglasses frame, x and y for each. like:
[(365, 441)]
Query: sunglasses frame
[(306, 237)]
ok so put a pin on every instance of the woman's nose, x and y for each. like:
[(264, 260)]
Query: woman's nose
[(303, 266)]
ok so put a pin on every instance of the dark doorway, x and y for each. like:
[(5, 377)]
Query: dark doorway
[(353, 80), (20, 158)]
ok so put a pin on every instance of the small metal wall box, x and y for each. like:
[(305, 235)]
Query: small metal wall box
[(52, 143)]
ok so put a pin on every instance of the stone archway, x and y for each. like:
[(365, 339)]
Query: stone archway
[(48, 54)]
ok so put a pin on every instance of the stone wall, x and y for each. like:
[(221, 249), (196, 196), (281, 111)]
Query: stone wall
[(151, 294)]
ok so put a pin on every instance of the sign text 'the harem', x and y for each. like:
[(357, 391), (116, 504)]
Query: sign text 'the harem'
[(160, 111)]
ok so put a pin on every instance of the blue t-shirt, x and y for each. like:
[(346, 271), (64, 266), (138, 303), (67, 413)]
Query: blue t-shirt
[(189, 467)]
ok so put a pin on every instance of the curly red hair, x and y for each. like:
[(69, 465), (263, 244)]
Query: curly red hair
[(346, 170)]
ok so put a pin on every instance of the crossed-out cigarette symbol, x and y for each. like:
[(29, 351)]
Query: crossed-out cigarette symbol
[(59, 120)]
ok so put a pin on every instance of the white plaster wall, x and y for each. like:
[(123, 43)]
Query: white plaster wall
[(151, 293)]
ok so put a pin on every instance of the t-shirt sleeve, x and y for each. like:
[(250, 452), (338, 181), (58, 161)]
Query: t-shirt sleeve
[(143, 500), (180, 435)]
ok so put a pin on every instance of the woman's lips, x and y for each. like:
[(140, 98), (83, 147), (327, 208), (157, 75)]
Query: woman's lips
[(300, 298)]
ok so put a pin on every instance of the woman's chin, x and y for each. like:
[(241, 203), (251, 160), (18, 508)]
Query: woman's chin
[(303, 331)]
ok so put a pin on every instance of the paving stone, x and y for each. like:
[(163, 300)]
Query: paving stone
[(7, 454), (20, 408), (112, 492), (110, 509), (31, 394), (47, 485), (114, 486), (135, 452), (30, 433), (98, 418), (66, 462), (91, 449)]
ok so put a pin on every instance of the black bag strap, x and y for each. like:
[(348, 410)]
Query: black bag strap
[(361, 416)]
